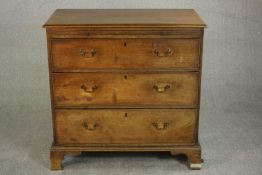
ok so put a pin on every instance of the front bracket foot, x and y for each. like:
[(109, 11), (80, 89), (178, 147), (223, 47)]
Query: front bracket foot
[(193, 156), (57, 157)]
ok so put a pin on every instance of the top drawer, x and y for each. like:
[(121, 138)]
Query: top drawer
[(107, 53)]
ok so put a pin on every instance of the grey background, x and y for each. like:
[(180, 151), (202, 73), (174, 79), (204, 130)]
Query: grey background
[(230, 128)]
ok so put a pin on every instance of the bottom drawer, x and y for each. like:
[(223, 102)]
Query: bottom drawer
[(122, 126)]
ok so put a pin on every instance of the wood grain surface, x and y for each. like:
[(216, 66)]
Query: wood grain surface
[(142, 126), (83, 89), (74, 54), (125, 17)]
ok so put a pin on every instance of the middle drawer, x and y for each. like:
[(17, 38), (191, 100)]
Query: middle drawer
[(84, 89)]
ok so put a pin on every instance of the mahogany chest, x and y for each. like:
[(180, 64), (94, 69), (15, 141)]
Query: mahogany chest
[(125, 80)]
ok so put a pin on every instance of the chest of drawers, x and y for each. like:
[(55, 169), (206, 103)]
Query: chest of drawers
[(125, 80)]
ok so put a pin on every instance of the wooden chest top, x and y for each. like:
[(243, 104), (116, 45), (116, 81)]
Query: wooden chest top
[(125, 17)]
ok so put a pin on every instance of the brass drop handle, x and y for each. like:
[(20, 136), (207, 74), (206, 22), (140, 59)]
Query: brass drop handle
[(90, 54), (89, 126), (160, 125), (166, 53), (161, 87), (89, 89)]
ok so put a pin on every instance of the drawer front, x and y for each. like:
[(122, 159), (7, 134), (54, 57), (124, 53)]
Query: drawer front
[(138, 126), (83, 89), (79, 54)]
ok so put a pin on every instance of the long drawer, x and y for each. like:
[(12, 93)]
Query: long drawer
[(79, 54), (84, 89), (139, 126)]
